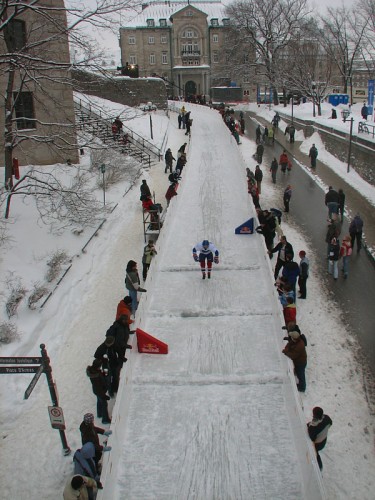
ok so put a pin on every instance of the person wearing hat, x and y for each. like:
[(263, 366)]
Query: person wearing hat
[(295, 350), (207, 253), (148, 252), (111, 359), (318, 431), (99, 388), (84, 465), (89, 434), (304, 265), (77, 487), (124, 309)]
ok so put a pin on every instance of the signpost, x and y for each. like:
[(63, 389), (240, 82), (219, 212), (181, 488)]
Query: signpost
[(38, 366)]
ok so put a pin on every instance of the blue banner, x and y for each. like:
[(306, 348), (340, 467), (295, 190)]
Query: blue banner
[(245, 228), (370, 99)]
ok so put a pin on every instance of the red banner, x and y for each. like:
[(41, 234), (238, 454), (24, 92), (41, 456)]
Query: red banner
[(150, 345)]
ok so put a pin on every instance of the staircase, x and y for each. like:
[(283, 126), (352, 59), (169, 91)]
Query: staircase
[(134, 145)]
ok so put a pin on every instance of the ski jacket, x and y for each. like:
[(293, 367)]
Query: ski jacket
[(318, 429), (211, 249), (83, 460), (290, 313), (332, 197), (89, 434), (296, 351), (291, 272), (124, 310), (99, 385), (132, 281), (283, 159), (346, 248), (356, 225)]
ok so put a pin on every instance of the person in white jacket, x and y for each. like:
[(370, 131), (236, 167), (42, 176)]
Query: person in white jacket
[(205, 253)]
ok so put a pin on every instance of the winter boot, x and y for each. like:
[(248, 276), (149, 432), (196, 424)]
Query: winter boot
[(203, 276), (209, 275)]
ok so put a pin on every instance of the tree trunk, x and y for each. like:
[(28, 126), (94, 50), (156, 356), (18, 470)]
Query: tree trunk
[(8, 133)]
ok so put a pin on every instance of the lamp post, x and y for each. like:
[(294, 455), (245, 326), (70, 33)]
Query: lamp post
[(313, 87), (102, 169), (345, 115)]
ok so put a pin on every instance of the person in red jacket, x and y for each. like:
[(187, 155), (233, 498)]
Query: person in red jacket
[(124, 309), (171, 192), (290, 311), (283, 161)]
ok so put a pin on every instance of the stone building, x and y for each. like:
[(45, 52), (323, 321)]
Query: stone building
[(37, 107), (180, 41)]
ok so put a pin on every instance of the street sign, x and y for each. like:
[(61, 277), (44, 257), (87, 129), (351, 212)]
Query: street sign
[(56, 417), (32, 384), (20, 361), (19, 369)]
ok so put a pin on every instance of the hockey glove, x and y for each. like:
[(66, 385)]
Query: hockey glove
[(195, 257), (216, 259)]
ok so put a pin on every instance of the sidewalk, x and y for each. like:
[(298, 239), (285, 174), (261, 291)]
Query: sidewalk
[(355, 202)]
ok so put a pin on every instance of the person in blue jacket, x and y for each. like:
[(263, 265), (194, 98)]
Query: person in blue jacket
[(84, 464), (206, 252)]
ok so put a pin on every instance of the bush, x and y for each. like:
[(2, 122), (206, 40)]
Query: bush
[(37, 293), (55, 263), (8, 333), (17, 293)]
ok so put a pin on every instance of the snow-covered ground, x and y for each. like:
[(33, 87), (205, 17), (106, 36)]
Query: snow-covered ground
[(73, 323)]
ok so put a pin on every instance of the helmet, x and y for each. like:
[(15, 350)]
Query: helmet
[(205, 243)]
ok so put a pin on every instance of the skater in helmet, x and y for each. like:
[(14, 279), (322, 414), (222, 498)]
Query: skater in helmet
[(207, 252)]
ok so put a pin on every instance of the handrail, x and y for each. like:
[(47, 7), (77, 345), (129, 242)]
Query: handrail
[(106, 120)]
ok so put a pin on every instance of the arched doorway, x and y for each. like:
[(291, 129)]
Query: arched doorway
[(190, 89)]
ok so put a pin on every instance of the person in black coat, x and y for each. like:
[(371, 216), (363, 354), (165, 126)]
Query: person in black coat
[(291, 272), (145, 190), (286, 197), (258, 175), (318, 431), (120, 331), (259, 153), (99, 388), (111, 362), (283, 249), (341, 204), (267, 227)]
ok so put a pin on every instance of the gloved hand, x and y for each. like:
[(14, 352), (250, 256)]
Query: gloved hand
[(124, 360), (216, 259), (195, 257), (99, 485), (107, 433), (128, 346), (107, 448), (108, 399)]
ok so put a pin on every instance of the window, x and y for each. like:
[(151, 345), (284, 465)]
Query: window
[(131, 40), (246, 79), (24, 110), (214, 22), (226, 22), (163, 23), (164, 58), (189, 34), (215, 56), (151, 40), (152, 59), (150, 23), (133, 59), (163, 39), (189, 13), (17, 34), (215, 38)]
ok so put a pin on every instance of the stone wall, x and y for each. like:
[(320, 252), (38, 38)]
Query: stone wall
[(337, 143), (122, 89)]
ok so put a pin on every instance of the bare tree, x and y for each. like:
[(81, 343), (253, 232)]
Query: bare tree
[(60, 205), (366, 11), (34, 59), (268, 26), (341, 34)]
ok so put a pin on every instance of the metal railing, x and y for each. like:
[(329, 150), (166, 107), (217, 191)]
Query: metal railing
[(367, 128), (103, 124)]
